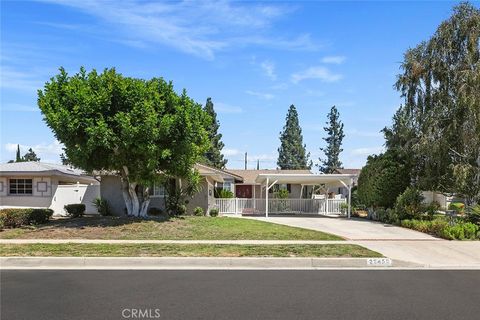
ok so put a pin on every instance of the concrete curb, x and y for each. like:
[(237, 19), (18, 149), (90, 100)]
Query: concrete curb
[(196, 263)]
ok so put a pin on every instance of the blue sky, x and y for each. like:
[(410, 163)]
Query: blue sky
[(253, 58)]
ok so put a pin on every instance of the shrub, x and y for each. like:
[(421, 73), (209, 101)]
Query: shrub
[(198, 211), (283, 194), (409, 203), (75, 209), (102, 206), (343, 208), (431, 209), (155, 212), (473, 214), (440, 227), (181, 209), (223, 193), (213, 212), (17, 217), (460, 231), (458, 207)]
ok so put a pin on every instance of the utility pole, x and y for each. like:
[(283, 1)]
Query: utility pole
[(258, 164), (245, 161)]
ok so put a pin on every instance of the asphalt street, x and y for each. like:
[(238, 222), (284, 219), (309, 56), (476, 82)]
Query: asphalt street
[(324, 294)]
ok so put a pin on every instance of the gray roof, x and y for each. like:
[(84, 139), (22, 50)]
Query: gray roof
[(36, 167)]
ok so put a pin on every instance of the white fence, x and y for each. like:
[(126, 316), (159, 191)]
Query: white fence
[(291, 206), (75, 193)]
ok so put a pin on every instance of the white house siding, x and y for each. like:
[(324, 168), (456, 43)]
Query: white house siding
[(47, 193), (38, 199)]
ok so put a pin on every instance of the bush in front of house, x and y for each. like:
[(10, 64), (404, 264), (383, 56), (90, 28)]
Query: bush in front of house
[(387, 216), (198, 211), (439, 227), (223, 193), (181, 209), (155, 211), (102, 206), (213, 212), (473, 215), (409, 203), (75, 209), (461, 231), (17, 217)]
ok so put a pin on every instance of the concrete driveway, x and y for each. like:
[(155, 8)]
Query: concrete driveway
[(393, 242), (351, 229)]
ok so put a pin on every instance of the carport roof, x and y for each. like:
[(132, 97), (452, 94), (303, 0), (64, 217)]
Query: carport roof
[(306, 179)]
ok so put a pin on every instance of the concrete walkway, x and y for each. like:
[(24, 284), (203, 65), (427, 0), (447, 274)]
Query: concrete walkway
[(393, 242)]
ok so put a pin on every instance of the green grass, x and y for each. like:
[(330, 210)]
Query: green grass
[(183, 228), (185, 250)]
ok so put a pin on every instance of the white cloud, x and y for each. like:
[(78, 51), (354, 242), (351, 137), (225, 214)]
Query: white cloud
[(200, 28), (266, 96), (221, 107), (280, 86), (230, 152), (268, 68), (367, 151), (363, 133), (16, 107), (316, 72), (333, 59), (18, 80), (43, 150)]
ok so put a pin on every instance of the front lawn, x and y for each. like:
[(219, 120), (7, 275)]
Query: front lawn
[(182, 228), (185, 250)]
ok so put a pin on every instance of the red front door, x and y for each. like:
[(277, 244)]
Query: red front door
[(243, 191)]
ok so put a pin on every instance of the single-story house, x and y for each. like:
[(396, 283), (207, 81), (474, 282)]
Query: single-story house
[(211, 178), (35, 184), (255, 192)]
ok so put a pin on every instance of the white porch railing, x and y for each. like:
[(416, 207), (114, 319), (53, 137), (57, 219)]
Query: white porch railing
[(291, 206)]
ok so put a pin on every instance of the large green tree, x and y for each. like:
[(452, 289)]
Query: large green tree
[(334, 140), (292, 153), (132, 127), (214, 156), (382, 179), (439, 124)]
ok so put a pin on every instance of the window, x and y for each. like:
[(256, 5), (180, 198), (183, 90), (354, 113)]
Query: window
[(20, 186), (157, 190)]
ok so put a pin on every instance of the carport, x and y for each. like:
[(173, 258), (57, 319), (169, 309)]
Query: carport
[(326, 180)]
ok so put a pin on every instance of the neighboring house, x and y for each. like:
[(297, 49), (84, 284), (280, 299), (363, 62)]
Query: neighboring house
[(211, 178), (43, 185), (356, 172)]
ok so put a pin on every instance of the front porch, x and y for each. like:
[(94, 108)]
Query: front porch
[(280, 206)]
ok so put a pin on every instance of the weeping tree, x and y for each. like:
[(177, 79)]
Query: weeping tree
[(438, 126), (141, 130)]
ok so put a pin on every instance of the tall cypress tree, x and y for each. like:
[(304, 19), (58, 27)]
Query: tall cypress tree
[(292, 152), (334, 143), (18, 157), (214, 156)]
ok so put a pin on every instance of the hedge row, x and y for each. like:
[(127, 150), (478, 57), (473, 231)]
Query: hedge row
[(13, 217)]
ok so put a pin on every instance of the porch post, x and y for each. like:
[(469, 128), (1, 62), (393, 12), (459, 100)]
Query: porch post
[(253, 186), (349, 199), (266, 198)]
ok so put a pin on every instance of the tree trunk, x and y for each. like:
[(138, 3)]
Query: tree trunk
[(137, 206)]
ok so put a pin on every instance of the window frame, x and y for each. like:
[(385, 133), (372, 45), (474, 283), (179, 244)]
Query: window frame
[(24, 185)]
